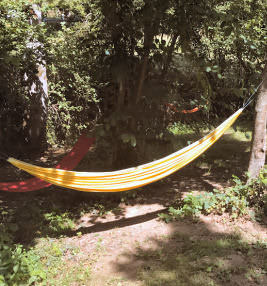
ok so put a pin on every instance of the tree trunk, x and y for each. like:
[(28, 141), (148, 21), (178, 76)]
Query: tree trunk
[(38, 93), (170, 50), (258, 150), (151, 25), (121, 96), (142, 78)]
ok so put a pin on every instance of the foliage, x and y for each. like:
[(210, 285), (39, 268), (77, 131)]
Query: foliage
[(73, 98), (113, 65), (235, 200), (15, 60), (57, 222), (21, 265)]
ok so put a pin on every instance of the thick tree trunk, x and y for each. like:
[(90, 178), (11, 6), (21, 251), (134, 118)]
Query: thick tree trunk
[(258, 150)]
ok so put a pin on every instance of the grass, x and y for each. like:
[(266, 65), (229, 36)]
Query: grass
[(58, 264)]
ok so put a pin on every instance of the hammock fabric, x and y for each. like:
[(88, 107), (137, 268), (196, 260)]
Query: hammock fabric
[(69, 162), (131, 178), (173, 108), (191, 110)]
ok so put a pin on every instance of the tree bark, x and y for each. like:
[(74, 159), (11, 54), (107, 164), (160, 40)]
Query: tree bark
[(38, 91), (169, 55), (151, 25), (121, 96), (258, 150), (142, 78)]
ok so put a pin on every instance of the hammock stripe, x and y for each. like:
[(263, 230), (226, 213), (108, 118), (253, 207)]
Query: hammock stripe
[(130, 178)]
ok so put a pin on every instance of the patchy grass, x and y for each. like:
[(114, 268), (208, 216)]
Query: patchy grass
[(63, 264), (181, 260)]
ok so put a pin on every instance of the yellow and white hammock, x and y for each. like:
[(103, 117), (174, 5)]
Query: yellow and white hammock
[(131, 178)]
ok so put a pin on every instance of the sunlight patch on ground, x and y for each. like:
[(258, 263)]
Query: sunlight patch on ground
[(247, 230)]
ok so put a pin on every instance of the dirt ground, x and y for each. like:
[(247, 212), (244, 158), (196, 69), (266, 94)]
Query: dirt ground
[(120, 239)]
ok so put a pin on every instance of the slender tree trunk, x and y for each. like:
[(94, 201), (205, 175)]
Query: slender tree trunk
[(169, 55), (38, 92), (142, 78), (121, 96), (150, 30), (258, 150)]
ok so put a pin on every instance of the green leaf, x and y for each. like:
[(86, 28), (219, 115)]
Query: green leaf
[(32, 279), (16, 268), (208, 69), (209, 269), (244, 38), (133, 141)]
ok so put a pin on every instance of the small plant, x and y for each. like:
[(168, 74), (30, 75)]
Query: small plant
[(60, 222), (99, 209), (126, 197)]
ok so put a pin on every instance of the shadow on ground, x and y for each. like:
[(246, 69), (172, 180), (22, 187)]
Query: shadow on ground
[(194, 255)]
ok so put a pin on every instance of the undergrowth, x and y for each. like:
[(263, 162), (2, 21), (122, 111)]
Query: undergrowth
[(236, 200), (25, 266), (18, 266)]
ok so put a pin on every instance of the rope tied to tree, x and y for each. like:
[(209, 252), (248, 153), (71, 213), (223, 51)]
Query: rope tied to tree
[(252, 97)]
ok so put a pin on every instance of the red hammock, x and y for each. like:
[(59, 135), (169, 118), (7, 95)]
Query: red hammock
[(69, 162), (173, 108)]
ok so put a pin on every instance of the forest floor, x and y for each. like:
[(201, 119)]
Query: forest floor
[(119, 239)]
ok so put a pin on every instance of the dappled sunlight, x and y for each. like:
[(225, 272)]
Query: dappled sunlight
[(193, 254), (248, 230)]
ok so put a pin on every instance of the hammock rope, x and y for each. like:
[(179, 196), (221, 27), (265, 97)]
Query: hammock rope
[(252, 97)]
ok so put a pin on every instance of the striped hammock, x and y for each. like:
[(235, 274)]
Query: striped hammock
[(131, 178)]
